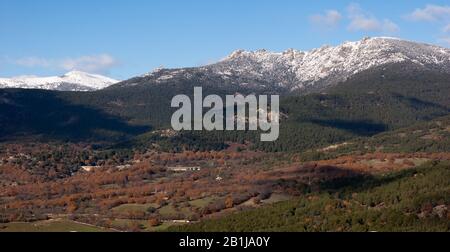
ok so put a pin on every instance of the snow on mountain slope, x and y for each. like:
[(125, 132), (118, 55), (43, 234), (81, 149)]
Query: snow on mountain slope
[(71, 81), (325, 66)]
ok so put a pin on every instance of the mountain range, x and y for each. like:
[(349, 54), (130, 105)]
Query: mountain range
[(71, 81), (262, 70), (328, 95), (294, 70)]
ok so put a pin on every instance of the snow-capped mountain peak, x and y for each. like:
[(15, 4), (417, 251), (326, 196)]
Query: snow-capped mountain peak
[(297, 69), (314, 69), (71, 81)]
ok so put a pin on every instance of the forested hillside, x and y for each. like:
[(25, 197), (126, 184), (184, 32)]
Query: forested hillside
[(412, 200), (423, 137), (370, 103)]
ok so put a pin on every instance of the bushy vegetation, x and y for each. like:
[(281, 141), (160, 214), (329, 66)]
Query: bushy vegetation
[(412, 200), (423, 137)]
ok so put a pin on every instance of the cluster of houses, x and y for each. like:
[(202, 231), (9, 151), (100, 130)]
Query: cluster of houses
[(183, 168), (189, 169), (170, 168), (89, 168)]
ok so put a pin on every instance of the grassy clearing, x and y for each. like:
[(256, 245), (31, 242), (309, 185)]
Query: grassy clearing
[(169, 211), (203, 202), (49, 226), (125, 224), (126, 208), (398, 161), (276, 197)]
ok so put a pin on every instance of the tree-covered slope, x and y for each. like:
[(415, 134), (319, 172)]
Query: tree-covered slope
[(411, 200), (425, 137), (372, 102)]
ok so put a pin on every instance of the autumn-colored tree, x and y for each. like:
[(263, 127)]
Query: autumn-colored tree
[(408, 162), (136, 227), (154, 222), (229, 203), (71, 207)]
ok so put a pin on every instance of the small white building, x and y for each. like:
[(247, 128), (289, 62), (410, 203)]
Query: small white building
[(184, 168), (181, 221), (89, 168), (123, 167)]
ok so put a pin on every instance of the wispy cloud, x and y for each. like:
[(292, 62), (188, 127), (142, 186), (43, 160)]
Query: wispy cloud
[(96, 63), (91, 63), (445, 40), (430, 13), (361, 20), (436, 15), (329, 19), (390, 27), (446, 29), (33, 62)]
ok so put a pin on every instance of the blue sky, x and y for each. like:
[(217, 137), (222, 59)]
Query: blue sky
[(122, 39)]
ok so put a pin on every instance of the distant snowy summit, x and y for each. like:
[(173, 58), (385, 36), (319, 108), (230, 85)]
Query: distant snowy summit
[(321, 67), (271, 71), (71, 81)]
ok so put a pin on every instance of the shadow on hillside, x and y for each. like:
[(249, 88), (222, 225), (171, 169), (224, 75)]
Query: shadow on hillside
[(308, 177), (363, 182), (421, 104), (46, 114), (357, 127), (318, 178)]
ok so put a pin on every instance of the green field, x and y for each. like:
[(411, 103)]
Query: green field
[(203, 202), (143, 224), (276, 197), (126, 208), (49, 226), (169, 211)]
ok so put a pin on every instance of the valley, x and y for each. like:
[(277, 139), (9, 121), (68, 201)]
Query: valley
[(159, 191), (363, 146)]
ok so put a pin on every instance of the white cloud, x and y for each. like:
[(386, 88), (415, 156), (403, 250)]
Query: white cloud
[(431, 13), (361, 20), (435, 14), (331, 18), (91, 63), (445, 40), (446, 29), (33, 62), (390, 27), (96, 63), (364, 24)]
